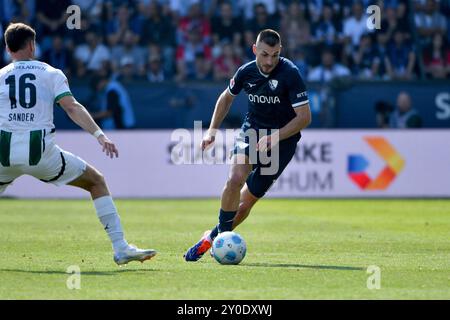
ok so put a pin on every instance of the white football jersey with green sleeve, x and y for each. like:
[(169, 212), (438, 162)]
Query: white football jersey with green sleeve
[(28, 92)]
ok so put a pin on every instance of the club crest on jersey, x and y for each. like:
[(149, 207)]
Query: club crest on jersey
[(273, 84)]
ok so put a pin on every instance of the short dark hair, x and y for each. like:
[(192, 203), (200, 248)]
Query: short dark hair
[(269, 37), (17, 35)]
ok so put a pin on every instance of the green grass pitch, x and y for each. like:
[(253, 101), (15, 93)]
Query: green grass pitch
[(297, 249)]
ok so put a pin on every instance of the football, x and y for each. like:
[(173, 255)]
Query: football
[(229, 248)]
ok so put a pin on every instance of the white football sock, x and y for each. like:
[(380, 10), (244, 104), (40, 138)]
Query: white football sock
[(108, 216)]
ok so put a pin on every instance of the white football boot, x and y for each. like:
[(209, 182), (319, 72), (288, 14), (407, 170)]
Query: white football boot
[(132, 253)]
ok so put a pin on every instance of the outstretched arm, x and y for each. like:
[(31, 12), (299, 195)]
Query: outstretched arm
[(78, 113), (221, 110)]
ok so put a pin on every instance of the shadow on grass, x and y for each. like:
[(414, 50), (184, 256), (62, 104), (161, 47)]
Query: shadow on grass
[(284, 265), (83, 273)]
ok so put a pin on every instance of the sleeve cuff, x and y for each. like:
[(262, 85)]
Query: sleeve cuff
[(299, 104), (229, 91), (62, 95)]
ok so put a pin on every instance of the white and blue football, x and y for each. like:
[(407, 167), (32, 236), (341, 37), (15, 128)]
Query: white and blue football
[(229, 248)]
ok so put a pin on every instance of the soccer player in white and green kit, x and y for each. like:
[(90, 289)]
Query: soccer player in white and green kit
[(28, 91)]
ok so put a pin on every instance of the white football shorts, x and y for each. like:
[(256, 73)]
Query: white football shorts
[(37, 155)]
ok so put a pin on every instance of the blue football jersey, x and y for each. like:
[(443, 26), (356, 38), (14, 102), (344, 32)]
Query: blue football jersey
[(272, 97)]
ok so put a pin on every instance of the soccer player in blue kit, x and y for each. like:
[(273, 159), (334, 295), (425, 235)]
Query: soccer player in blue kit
[(277, 100)]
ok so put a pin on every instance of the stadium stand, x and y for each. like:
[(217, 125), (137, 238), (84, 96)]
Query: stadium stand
[(156, 48)]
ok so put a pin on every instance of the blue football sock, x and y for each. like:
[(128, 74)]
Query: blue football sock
[(226, 220), (214, 233)]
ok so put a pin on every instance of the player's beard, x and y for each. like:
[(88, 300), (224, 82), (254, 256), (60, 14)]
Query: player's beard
[(266, 69)]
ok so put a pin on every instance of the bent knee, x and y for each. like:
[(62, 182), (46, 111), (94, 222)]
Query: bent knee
[(97, 179), (92, 178), (236, 181)]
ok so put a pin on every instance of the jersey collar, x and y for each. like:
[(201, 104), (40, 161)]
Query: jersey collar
[(22, 60), (261, 73)]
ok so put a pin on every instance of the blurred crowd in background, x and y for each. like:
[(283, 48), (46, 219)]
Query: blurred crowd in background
[(189, 40)]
